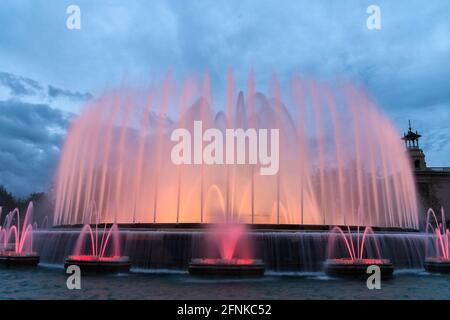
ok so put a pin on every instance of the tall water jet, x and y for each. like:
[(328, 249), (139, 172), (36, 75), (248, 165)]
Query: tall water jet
[(337, 153)]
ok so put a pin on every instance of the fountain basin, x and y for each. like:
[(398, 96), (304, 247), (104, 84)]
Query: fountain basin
[(13, 259), (94, 264), (222, 267), (437, 264), (358, 267)]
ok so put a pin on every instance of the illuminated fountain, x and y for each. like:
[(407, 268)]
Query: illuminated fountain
[(226, 238), (101, 258), (16, 243), (337, 154), (437, 258), (354, 258)]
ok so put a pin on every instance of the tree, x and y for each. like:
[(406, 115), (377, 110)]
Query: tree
[(7, 202)]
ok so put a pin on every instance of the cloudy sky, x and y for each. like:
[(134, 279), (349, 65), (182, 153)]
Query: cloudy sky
[(48, 71)]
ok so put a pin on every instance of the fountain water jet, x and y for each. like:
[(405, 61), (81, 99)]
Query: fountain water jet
[(358, 259), (328, 137), (98, 260), (18, 252), (227, 238), (337, 152), (438, 258)]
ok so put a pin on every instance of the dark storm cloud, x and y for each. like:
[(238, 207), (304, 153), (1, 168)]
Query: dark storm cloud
[(404, 65), (32, 131), (57, 92), (19, 86), (31, 136)]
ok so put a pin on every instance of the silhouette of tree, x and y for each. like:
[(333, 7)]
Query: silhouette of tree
[(42, 201)]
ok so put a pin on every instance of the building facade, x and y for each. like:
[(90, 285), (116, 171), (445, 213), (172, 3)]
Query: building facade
[(433, 183)]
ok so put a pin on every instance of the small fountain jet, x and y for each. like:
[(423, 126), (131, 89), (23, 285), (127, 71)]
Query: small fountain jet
[(16, 244), (226, 237), (98, 260), (354, 259), (439, 259)]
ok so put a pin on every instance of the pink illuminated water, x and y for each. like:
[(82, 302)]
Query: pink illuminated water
[(17, 239), (355, 245), (441, 236), (338, 154), (97, 243), (226, 261), (226, 238)]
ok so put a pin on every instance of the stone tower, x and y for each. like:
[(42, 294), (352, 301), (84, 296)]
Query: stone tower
[(412, 145)]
